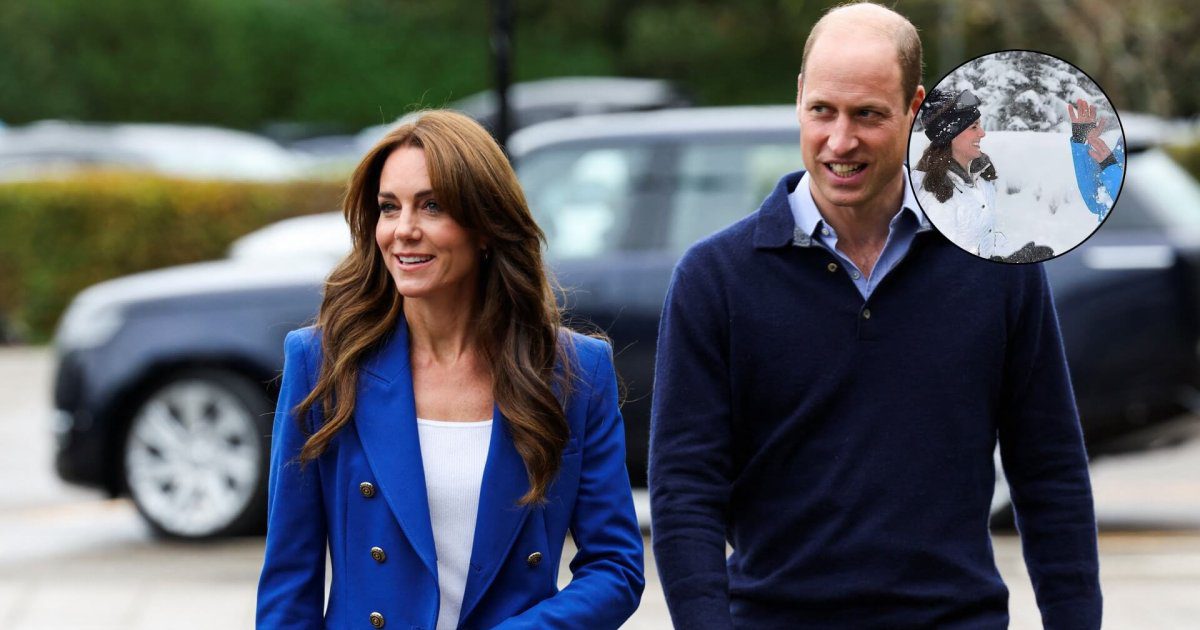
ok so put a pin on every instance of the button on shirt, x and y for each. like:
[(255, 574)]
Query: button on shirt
[(811, 229)]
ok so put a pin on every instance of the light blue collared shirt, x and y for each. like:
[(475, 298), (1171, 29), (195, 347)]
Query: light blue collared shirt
[(904, 226)]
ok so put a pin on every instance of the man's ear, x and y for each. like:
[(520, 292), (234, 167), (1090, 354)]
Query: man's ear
[(918, 98), (799, 91)]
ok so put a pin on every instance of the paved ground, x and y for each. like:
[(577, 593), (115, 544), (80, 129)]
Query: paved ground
[(70, 559)]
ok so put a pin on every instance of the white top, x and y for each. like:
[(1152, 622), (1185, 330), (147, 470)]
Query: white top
[(453, 454), (968, 217)]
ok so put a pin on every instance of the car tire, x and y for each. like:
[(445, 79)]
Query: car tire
[(196, 453)]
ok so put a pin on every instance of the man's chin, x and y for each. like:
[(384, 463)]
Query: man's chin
[(840, 194)]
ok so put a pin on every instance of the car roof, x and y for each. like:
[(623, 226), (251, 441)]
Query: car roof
[(594, 94), (180, 150), (534, 102), (658, 124)]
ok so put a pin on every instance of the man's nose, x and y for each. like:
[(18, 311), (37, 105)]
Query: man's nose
[(843, 138)]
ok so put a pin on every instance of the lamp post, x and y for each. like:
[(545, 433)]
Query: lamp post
[(502, 53)]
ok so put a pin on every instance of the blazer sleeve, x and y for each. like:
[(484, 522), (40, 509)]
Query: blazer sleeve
[(291, 589), (1041, 447), (607, 570)]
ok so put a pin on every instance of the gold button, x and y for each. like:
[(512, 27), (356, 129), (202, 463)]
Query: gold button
[(378, 554), (832, 267), (534, 559), (376, 620), (866, 313), (367, 489)]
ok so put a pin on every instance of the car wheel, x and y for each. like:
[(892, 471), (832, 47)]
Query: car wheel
[(195, 455)]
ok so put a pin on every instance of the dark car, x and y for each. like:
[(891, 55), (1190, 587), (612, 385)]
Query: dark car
[(166, 379)]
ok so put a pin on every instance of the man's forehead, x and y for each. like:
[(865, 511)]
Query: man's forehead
[(854, 66)]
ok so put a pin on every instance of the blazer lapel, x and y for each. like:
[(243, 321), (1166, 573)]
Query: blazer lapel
[(385, 416), (500, 517)]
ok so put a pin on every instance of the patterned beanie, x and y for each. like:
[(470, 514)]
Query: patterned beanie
[(946, 115)]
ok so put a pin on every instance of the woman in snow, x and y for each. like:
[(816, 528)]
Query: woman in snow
[(439, 430), (954, 176)]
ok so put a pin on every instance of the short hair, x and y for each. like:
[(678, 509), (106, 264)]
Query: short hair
[(895, 27)]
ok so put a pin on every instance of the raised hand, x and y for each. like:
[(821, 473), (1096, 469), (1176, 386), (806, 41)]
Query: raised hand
[(1086, 128)]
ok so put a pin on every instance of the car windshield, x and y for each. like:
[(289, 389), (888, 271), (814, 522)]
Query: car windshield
[(1172, 193)]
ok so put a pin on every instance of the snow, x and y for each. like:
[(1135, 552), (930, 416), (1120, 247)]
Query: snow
[(1023, 90), (1023, 109), (1037, 198)]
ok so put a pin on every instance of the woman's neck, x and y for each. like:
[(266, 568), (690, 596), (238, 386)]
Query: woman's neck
[(443, 333), (964, 163)]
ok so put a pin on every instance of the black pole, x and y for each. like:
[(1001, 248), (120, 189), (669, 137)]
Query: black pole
[(502, 53)]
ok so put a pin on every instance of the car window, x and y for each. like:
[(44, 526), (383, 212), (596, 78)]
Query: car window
[(590, 200), (720, 183), (1129, 212), (1169, 193)]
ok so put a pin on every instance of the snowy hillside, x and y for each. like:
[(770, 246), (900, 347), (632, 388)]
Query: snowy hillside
[(1037, 198)]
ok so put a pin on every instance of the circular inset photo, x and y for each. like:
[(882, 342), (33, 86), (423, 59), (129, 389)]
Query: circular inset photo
[(1017, 156)]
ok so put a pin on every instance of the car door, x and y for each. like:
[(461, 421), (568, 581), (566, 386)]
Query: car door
[(618, 213), (603, 207), (1127, 304)]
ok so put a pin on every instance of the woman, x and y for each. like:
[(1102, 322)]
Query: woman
[(438, 429), (954, 176)]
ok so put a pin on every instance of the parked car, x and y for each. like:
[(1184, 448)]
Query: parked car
[(530, 103), (56, 148), (166, 379), (534, 102)]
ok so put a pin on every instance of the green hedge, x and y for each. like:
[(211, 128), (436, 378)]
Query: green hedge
[(58, 237)]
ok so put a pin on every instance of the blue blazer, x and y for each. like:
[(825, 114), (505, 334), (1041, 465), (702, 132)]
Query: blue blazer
[(325, 503)]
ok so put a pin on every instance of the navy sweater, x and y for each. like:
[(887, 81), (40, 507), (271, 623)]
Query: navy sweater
[(844, 448)]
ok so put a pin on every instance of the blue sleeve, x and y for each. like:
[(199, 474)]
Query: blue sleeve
[(607, 575), (1087, 177), (291, 588), (691, 451), (1042, 450), (1113, 176)]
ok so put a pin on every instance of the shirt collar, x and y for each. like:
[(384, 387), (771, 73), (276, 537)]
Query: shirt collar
[(807, 219)]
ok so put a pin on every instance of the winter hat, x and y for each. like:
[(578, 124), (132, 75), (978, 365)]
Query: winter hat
[(946, 115)]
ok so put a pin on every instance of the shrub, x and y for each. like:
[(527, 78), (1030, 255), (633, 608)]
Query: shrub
[(57, 237), (1188, 156)]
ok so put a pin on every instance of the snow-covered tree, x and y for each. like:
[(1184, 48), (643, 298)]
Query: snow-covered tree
[(1025, 91)]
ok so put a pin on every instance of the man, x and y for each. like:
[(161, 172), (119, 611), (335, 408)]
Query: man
[(832, 379)]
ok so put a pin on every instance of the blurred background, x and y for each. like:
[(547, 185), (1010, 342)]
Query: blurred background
[(167, 174)]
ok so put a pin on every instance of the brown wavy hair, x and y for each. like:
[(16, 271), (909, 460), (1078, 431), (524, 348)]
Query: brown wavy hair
[(518, 325), (936, 162)]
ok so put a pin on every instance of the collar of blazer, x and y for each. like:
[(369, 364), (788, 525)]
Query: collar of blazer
[(385, 417)]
